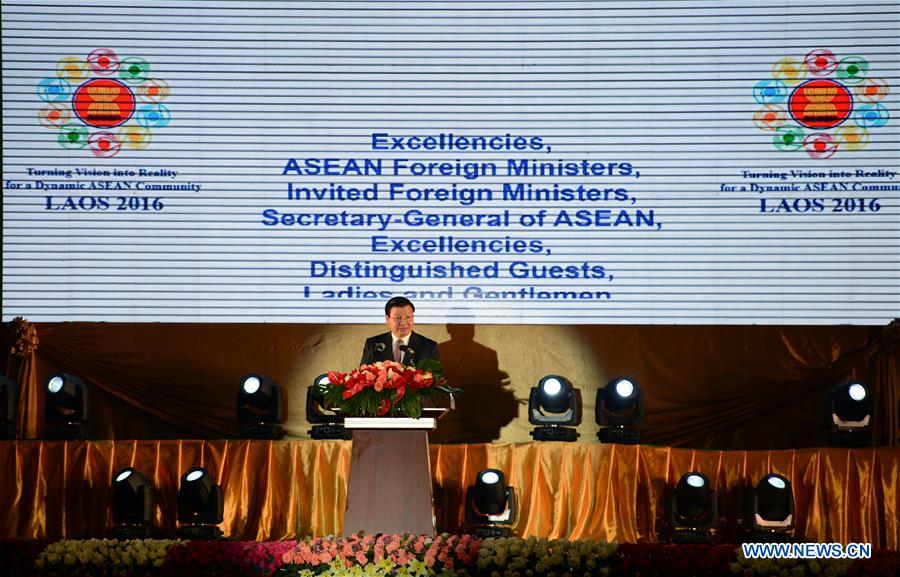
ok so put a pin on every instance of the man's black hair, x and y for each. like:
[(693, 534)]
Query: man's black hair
[(398, 302)]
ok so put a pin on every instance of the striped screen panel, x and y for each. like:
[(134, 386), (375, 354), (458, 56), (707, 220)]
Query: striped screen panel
[(678, 162)]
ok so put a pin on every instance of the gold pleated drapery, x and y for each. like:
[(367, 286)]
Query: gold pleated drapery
[(290, 489)]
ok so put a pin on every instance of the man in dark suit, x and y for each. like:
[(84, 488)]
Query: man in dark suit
[(400, 343)]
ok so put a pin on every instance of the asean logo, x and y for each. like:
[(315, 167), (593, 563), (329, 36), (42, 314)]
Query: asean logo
[(103, 103), (820, 104)]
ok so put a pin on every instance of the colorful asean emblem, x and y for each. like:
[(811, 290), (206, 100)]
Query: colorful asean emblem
[(103, 103), (820, 104)]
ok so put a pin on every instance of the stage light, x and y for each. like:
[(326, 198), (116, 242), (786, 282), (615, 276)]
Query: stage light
[(260, 408), (552, 405), (9, 395), (770, 509), (326, 424), (490, 505), (693, 511), (201, 505), (848, 415), (620, 407), (65, 407), (133, 505)]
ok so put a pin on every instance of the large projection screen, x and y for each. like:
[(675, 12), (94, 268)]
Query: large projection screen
[(498, 162)]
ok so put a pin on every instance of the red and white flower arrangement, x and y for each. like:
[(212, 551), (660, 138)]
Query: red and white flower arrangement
[(385, 388)]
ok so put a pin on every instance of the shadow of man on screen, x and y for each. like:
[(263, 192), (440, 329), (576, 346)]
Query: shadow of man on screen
[(487, 405)]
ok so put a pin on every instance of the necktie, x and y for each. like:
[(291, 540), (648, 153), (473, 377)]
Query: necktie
[(397, 352)]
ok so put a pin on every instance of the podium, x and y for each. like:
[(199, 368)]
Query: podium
[(390, 475)]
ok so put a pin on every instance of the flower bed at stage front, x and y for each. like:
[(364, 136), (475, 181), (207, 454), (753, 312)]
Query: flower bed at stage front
[(412, 556), (388, 554)]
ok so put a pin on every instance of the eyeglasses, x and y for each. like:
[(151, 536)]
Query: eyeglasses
[(401, 319)]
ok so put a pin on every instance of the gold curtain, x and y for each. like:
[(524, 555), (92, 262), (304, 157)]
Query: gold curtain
[(289, 489), (21, 341), (713, 387)]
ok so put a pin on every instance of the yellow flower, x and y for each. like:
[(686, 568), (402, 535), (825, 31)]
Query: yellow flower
[(418, 568)]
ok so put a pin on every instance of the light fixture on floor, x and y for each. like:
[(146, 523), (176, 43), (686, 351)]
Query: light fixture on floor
[(620, 408), (554, 406), (201, 505), (490, 505), (260, 409), (848, 416), (65, 407), (133, 505), (692, 511), (326, 424), (770, 510)]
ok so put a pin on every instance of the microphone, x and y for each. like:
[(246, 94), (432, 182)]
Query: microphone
[(379, 348), (408, 350)]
